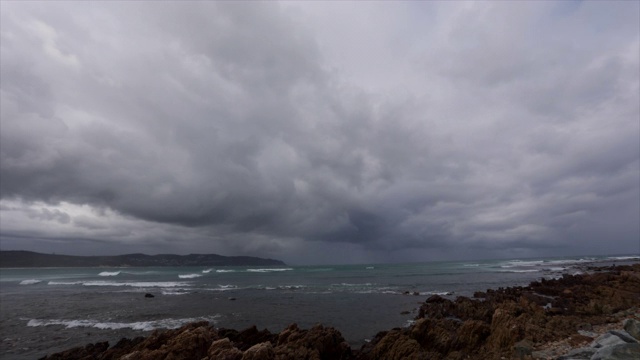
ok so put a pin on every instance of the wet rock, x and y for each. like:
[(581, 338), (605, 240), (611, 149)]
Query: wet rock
[(147, 295)]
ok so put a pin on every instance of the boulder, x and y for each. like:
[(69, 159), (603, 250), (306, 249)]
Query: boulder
[(319, 342), (262, 351), (632, 326), (223, 349), (523, 348), (583, 353), (618, 352), (607, 339), (396, 345)]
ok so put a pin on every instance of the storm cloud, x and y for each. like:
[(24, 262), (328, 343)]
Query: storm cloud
[(321, 132)]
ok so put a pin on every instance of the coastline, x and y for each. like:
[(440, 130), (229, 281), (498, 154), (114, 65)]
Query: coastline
[(541, 320)]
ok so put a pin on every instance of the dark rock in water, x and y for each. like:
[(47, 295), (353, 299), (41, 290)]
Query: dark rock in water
[(618, 352), (232, 298), (147, 295)]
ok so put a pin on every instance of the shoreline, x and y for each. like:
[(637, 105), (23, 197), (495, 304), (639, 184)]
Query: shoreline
[(513, 322)]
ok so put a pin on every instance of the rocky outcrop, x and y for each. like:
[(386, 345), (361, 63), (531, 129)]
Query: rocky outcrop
[(514, 322), (511, 323), (202, 342)]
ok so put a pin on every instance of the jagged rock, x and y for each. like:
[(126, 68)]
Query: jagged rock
[(607, 339), (319, 342), (625, 336), (395, 345), (223, 350), (632, 326), (262, 351), (584, 353), (246, 338), (618, 352)]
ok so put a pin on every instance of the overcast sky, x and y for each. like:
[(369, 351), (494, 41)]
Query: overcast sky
[(321, 132)]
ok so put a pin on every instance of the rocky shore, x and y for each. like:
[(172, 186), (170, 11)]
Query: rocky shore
[(595, 315)]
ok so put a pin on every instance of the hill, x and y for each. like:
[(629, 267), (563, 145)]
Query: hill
[(11, 259)]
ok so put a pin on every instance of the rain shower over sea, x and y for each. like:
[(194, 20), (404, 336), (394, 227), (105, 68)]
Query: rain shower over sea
[(44, 310)]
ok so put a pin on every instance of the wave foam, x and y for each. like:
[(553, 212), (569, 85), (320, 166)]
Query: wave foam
[(189, 276), (107, 325), (30, 282), (108, 273), (206, 271), (142, 284), (623, 258), (269, 270), (224, 271)]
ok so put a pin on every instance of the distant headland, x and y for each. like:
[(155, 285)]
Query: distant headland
[(21, 259)]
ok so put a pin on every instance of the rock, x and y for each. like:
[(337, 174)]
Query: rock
[(395, 345), (625, 336), (262, 351), (406, 312), (632, 326), (147, 295), (607, 339), (618, 352), (580, 353), (248, 337), (523, 348), (223, 349), (319, 342), (590, 334), (232, 299)]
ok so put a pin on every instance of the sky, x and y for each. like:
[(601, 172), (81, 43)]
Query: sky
[(321, 132)]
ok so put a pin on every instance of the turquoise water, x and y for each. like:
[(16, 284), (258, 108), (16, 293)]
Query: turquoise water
[(45, 310)]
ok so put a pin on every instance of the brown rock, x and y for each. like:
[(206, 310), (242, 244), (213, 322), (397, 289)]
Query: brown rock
[(319, 342), (223, 350), (262, 351), (396, 345)]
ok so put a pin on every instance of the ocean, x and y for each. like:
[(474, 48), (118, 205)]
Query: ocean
[(45, 310)]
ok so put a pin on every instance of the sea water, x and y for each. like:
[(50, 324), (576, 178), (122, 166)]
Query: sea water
[(44, 310)]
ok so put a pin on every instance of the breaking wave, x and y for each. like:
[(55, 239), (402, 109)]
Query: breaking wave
[(109, 273), (107, 325), (30, 282), (189, 276)]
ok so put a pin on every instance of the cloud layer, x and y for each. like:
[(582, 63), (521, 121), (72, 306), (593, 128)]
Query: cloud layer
[(322, 132)]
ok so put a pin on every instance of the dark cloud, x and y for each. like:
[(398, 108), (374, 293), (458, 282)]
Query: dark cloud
[(250, 128)]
